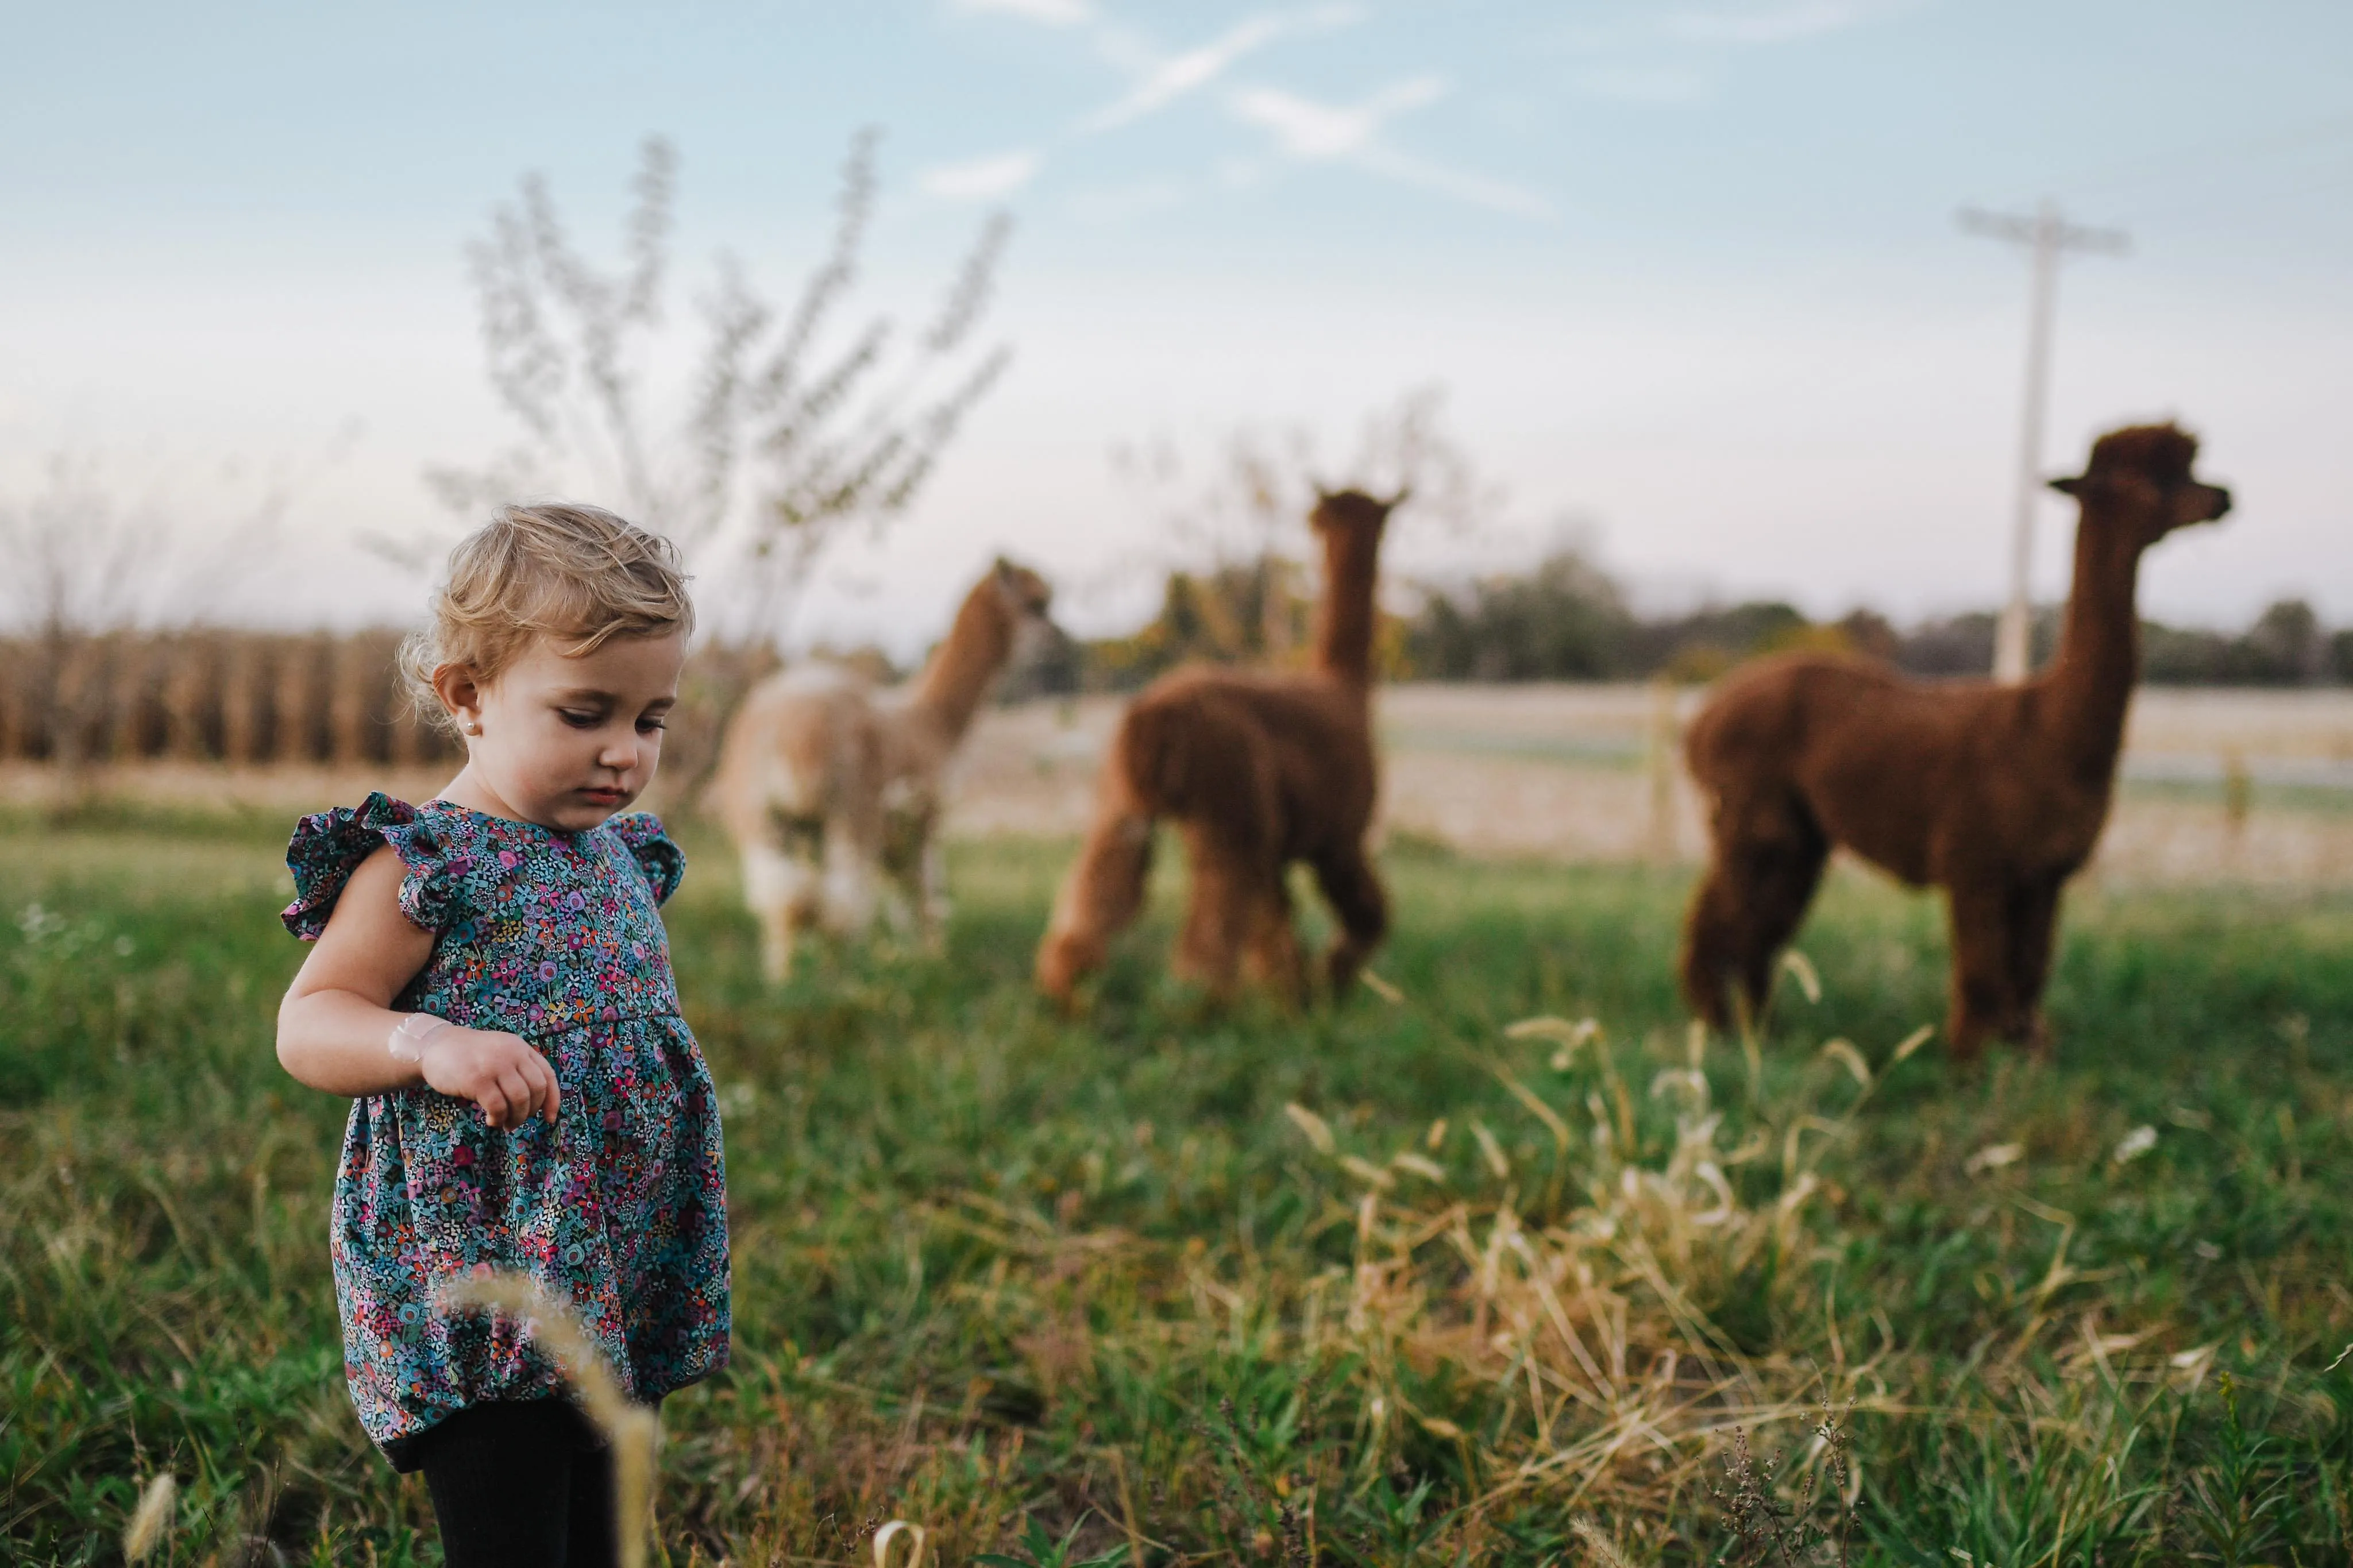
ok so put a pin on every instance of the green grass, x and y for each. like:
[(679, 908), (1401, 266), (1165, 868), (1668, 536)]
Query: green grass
[(998, 1271)]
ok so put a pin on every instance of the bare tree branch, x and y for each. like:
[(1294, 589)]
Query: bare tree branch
[(792, 425)]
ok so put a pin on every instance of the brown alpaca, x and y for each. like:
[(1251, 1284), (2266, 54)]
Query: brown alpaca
[(832, 792), (1257, 770), (1996, 794)]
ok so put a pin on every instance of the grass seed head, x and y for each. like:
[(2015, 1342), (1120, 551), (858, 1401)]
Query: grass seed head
[(633, 1431), (150, 1521)]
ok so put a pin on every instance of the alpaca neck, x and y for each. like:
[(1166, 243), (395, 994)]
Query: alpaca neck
[(954, 681), (2090, 682), (1343, 623)]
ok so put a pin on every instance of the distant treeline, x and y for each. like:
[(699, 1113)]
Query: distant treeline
[(1567, 620), (259, 697)]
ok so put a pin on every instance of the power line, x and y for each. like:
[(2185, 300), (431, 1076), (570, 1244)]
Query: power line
[(2049, 235)]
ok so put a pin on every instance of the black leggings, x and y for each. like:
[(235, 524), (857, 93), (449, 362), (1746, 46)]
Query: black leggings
[(522, 1485)]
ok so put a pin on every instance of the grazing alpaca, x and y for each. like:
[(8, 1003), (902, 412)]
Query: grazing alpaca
[(1996, 794), (832, 790), (1257, 770)]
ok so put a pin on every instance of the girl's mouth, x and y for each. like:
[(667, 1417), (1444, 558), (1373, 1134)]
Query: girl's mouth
[(600, 796)]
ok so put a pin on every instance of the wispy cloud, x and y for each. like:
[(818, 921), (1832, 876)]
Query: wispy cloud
[(1302, 130), (1463, 185), (1314, 131), (1052, 13), (1307, 132), (1778, 22), (1162, 80), (981, 179)]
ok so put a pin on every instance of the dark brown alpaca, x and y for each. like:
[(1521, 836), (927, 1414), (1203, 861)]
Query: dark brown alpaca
[(1995, 794), (1257, 770)]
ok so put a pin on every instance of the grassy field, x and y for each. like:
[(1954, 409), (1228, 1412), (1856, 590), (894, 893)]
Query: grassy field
[(1481, 1298)]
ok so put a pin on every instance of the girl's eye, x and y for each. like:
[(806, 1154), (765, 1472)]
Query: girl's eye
[(580, 720), (652, 726)]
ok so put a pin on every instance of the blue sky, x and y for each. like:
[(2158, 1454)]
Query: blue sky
[(1689, 271)]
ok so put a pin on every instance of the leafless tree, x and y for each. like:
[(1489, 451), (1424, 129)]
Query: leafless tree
[(793, 426), (1255, 496), (72, 555), (82, 560), (1245, 511)]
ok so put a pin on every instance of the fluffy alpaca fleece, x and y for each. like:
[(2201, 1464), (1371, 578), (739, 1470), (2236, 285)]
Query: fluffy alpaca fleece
[(1257, 770), (1996, 794), (832, 790)]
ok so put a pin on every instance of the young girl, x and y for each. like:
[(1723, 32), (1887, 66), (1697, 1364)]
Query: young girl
[(491, 985)]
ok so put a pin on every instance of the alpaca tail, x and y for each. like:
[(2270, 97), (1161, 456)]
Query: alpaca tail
[(1197, 757)]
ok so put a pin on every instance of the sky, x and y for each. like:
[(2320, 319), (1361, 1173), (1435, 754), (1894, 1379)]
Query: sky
[(1687, 271)]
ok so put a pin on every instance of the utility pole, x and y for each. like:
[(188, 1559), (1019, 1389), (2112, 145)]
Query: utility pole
[(2049, 235)]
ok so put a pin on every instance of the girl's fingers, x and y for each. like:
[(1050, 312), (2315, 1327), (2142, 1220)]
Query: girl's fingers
[(517, 1095), (535, 1073), (549, 1089), (493, 1102)]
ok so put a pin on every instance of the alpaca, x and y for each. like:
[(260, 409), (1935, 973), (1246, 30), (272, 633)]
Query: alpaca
[(1996, 794), (832, 792), (1257, 770)]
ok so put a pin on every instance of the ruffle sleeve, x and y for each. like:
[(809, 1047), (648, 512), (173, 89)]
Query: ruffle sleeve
[(663, 862), (328, 847)]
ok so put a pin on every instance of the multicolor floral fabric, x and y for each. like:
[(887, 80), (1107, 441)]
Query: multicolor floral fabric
[(619, 1208)]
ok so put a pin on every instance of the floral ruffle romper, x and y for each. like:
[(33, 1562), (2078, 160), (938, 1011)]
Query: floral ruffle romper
[(619, 1208)]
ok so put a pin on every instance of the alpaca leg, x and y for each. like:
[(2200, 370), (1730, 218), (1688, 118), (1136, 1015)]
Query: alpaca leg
[(1982, 1003), (1711, 954), (852, 875), (1360, 904), (931, 890), (781, 889), (1226, 901), (1270, 955), (913, 870), (1768, 863), (2034, 928), (1099, 896), (1781, 889)]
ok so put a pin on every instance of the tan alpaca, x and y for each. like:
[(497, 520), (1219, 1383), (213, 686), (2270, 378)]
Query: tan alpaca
[(1996, 794), (1257, 770), (832, 790)]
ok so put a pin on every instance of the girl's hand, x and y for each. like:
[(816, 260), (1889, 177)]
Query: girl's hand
[(511, 1081)]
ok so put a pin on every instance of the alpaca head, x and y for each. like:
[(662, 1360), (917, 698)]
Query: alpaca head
[(1028, 601), (1352, 511), (2139, 480)]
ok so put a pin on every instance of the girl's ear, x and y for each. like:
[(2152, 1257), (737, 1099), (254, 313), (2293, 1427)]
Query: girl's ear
[(462, 694)]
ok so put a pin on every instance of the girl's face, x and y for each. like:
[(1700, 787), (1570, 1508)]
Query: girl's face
[(565, 742)]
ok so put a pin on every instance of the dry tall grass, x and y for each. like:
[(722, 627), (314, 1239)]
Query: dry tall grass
[(633, 1431), (284, 701), (210, 696)]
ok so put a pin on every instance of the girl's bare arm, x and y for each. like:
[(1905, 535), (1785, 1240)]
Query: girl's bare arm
[(335, 1025)]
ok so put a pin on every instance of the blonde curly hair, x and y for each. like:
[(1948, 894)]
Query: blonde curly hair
[(579, 574)]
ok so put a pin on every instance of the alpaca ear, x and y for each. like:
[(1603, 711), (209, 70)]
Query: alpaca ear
[(2068, 487), (1404, 494)]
